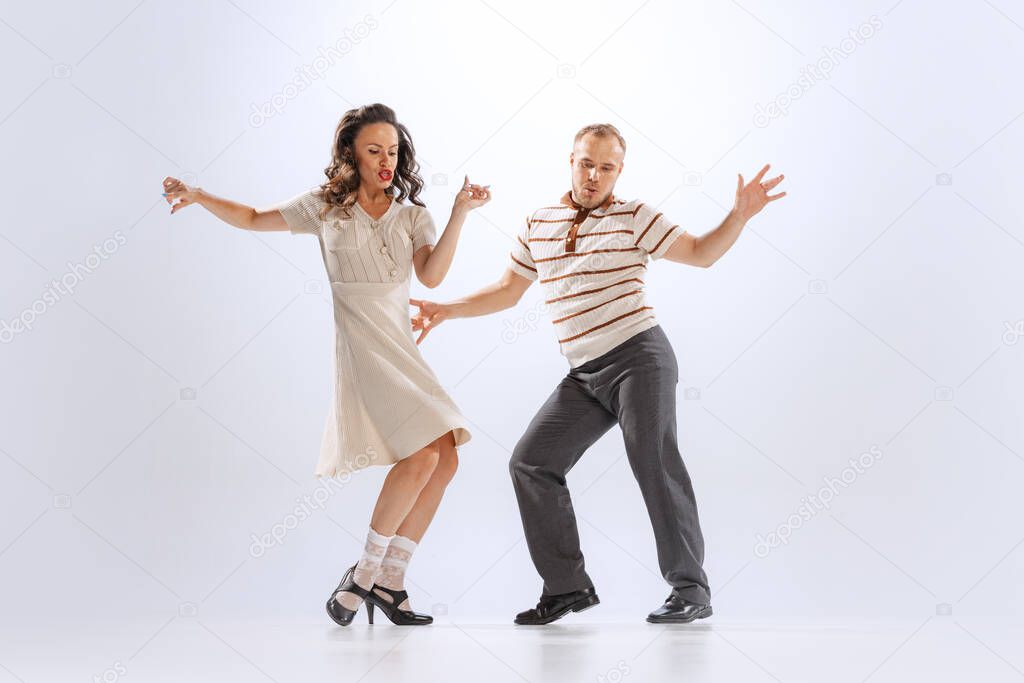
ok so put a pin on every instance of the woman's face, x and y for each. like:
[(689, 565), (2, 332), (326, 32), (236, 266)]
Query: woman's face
[(376, 149)]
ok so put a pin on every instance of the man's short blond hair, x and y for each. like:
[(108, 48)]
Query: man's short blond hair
[(601, 130)]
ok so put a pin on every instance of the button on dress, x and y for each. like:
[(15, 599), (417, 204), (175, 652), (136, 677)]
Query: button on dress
[(387, 403)]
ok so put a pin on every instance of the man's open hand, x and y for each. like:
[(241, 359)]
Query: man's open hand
[(429, 316), (753, 196)]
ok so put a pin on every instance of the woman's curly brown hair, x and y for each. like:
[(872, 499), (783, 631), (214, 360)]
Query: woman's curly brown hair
[(343, 175)]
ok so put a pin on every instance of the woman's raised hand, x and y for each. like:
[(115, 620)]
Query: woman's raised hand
[(178, 194), (471, 196)]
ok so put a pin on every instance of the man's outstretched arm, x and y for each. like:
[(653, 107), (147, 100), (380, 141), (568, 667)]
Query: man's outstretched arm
[(703, 251), (505, 293)]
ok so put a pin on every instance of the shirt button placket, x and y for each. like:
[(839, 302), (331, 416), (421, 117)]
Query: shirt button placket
[(392, 272)]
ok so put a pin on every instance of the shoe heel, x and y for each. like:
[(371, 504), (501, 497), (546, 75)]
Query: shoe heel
[(369, 610), (586, 604)]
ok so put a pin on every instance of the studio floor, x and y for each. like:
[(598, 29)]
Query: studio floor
[(194, 648)]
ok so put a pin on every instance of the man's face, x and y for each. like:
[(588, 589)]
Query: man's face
[(596, 163)]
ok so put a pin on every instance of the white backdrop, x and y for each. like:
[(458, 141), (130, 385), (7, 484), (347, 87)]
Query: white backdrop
[(166, 410)]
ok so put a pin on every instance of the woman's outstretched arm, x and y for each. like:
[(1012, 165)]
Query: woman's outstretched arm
[(432, 262), (179, 195)]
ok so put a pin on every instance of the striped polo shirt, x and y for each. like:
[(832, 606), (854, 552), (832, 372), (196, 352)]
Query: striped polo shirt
[(592, 266)]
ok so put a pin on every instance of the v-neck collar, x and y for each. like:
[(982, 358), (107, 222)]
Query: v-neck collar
[(383, 216)]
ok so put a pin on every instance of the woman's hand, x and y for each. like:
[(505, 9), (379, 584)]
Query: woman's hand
[(753, 197), (178, 194), (430, 316), (432, 264), (471, 197)]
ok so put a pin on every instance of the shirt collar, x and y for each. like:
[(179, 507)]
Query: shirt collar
[(567, 200), (384, 216)]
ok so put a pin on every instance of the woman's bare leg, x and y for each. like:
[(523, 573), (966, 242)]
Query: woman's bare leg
[(402, 487), (416, 522)]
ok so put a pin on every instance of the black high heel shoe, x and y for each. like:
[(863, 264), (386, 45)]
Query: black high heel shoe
[(399, 617), (341, 615)]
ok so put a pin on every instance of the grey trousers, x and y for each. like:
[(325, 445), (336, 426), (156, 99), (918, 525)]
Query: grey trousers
[(634, 384)]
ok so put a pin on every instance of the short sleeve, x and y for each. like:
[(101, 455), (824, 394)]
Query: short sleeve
[(302, 212), (652, 232), (521, 260), (424, 233)]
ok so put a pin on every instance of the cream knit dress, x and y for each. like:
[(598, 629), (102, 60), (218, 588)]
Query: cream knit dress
[(388, 403)]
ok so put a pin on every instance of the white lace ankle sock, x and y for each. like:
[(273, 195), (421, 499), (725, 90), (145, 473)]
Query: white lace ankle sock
[(367, 568), (394, 565)]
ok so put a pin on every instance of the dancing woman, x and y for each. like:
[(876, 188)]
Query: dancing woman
[(389, 408)]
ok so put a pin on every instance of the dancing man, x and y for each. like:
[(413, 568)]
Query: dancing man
[(590, 251)]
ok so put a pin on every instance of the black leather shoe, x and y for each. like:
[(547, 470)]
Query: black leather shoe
[(678, 610), (389, 606), (552, 607), (341, 615)]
